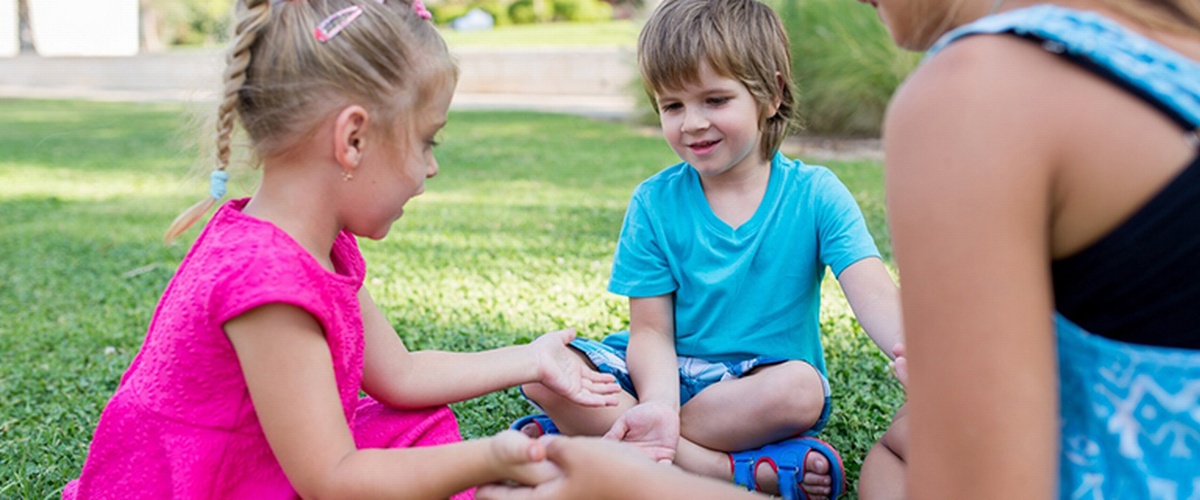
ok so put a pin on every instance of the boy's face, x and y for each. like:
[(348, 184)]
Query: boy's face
[(712, 124)]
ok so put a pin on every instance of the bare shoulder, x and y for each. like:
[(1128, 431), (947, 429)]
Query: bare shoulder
[(987, 99)]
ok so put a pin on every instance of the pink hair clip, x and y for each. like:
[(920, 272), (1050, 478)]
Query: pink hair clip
[(336, 22), (419, 7)]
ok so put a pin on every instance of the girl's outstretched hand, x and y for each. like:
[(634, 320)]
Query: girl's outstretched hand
[(563, 372), (521, 459)]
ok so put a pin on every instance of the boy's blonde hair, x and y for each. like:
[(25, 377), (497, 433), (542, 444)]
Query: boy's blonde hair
[(280, 81), (739, 39)]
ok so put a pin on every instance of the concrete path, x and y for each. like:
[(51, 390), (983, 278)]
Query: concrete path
[(588, 81)]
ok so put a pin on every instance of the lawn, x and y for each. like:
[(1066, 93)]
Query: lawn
[(512, 239)]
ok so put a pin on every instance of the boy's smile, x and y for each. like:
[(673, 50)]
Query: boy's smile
[(712, 124)]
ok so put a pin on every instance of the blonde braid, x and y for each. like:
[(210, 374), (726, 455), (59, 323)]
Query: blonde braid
[(252, 16)]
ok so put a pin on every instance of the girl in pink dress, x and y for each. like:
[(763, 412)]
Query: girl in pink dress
[(248, 382)]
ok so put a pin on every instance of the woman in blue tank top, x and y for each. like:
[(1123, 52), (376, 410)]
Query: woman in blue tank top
[(1044, 195)]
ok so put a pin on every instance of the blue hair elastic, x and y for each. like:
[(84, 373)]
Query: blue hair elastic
[(216, 183)]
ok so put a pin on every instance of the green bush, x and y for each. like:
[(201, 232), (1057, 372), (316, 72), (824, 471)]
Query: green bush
[(187, 22), (844, 63), (445, 12), (530, 11), (582, 10), (498, 9)]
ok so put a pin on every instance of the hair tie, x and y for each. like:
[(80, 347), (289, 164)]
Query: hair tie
[(419, 7), (216, 183)]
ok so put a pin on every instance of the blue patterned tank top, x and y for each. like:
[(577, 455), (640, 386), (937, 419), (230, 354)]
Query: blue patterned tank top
[(1130, 412)]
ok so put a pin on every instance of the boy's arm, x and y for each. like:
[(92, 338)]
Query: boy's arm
[(876, 302), (403, 379), (651, 352), (652, 425)]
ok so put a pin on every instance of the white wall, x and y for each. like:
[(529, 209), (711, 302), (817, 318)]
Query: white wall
[(84, 27), (9, 43)]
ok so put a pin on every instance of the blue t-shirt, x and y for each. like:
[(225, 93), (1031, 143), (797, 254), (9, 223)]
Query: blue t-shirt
[(745, 292)]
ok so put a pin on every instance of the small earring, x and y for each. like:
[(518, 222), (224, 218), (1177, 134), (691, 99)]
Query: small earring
[(347, 175)]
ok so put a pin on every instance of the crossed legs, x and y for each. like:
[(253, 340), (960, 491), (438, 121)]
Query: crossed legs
[(768, 404)]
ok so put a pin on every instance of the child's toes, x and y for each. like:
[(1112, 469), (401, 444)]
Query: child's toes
[(817, 480)]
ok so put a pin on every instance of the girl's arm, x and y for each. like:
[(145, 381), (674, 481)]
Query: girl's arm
[(652, 425), (402, 379), (876, 302), (969, 180), (289, 373)]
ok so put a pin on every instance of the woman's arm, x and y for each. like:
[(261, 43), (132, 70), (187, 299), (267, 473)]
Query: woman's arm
[(969, 182), (289, 373), (403, 379), (601, 469), (876, 302)]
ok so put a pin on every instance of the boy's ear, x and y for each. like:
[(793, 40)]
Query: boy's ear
[(778, 95), (350, 136)]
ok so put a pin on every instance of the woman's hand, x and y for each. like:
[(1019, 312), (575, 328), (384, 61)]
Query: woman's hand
[(521, 459)]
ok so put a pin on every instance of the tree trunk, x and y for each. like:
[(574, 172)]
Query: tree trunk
[(150, 39), (25, 29)]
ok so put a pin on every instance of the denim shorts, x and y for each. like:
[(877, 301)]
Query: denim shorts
[(695, 374)]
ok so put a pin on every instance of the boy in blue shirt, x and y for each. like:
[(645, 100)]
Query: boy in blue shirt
[(722, 257)]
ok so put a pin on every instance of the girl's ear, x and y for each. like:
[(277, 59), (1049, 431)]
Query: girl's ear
[(350, 137)]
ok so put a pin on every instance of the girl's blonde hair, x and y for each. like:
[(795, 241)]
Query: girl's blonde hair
[(739, 39), (281, 81)]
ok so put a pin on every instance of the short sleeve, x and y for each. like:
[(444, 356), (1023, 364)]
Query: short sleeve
[(640, 267), (274, 272), (843, 233)]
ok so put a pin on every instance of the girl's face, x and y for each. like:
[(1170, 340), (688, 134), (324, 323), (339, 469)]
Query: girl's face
[(712, 124), (397, 171)]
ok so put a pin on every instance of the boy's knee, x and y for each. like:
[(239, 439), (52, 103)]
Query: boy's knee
[(538, 393), (805, 402)]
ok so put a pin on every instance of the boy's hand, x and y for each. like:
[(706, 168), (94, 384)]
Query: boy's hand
[(563, 372), (652, 427), (900, 366), (521, 459)]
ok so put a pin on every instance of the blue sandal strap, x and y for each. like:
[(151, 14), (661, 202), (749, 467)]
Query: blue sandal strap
[(787, 459), (743, 464), (542, 421)]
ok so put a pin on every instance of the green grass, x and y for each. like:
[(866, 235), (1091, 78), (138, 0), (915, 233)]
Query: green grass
[(512, 239), (606, 34)]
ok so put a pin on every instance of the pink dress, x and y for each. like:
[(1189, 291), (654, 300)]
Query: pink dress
[(181, 424)]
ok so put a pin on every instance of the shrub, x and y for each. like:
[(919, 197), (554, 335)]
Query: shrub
[(844, 63), (582, 10), (530, 11), (498, 9), (445, 12)]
